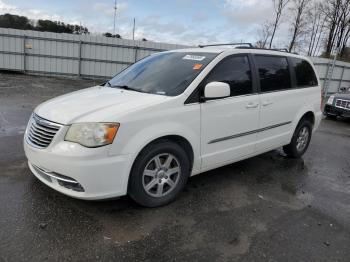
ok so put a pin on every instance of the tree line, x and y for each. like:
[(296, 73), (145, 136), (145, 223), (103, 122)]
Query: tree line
[(23, 23), (315, 27)]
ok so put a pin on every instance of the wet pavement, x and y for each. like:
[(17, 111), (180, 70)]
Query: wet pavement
[(267, 208)]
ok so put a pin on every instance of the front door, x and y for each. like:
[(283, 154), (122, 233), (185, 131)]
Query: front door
[(228, 125)]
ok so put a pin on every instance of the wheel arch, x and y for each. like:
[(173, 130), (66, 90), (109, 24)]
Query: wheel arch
[(305, 113), (310, 116), (178, 139)]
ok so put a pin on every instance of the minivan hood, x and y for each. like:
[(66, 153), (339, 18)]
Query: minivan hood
[(94, 104)]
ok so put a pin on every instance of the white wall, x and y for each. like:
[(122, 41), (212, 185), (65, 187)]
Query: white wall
[(68, 54), (101, 57), (341, 73)]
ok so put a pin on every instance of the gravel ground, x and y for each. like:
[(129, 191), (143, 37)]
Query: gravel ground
[(267, 208)]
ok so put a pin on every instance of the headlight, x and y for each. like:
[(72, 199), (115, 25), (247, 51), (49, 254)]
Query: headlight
[(92, 134), (330, 100)]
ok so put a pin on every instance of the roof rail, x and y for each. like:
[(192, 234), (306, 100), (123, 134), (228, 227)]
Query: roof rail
[(270, 49), (249, 45), (281, 49)]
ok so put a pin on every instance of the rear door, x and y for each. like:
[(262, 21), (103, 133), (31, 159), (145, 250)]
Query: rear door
[(279, 101), (228, 124)]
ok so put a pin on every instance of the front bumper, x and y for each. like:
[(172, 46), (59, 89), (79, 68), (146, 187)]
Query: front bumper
[(336, 111), (79, 172)]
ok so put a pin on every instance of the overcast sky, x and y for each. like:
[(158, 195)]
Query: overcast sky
[(173, 21)]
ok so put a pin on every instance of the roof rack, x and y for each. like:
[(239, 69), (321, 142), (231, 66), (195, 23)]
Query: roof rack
[(247, 46), (261, 48), (229, 44)]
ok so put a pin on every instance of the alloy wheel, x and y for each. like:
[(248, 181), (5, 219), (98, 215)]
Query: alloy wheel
[(161, 175)]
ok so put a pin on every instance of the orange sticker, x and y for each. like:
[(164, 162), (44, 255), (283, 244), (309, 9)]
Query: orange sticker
[(197, 66)]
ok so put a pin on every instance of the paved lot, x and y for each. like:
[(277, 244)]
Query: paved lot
[(268, 208)]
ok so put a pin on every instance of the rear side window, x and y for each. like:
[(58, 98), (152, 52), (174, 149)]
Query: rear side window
[(273, 72), (235, 71), (304, 73)]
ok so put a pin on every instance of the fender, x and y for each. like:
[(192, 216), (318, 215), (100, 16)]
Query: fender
[(156, 131), (301, 112), (145, 136)]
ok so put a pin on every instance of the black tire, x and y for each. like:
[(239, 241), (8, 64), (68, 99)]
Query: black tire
[(137, 189), (332, 117), (291, 149)]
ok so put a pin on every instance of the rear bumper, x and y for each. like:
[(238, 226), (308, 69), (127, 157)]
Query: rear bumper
[(336, 111)]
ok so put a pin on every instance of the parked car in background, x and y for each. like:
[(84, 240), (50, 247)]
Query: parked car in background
[(170, 116), (338, 105)]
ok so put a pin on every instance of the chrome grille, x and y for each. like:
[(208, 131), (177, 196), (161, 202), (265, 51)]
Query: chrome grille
[(342, 103), (40, 131)]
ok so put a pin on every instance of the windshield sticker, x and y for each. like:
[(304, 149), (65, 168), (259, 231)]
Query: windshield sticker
[(194, 57), (197, 66), (160, 92)]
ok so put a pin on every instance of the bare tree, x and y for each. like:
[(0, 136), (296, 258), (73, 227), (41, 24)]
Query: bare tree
[(344, 27), (298, 12), (264, 33), (337, 13), (316, 31), (279, 5)]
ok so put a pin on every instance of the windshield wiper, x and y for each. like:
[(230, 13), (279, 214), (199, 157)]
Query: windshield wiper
[(108, 83), (125, 87)]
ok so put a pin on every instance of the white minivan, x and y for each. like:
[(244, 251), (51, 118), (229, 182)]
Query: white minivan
[(172, 115)]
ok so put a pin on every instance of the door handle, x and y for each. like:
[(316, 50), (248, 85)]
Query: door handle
[(252, 105), (267, 103)]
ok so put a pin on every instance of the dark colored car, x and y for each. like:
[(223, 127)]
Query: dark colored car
[(338, 105)]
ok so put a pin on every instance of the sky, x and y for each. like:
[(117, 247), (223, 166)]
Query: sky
[(189, 22)]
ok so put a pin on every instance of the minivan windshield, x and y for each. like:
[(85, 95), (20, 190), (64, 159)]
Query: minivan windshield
[(167, 73)]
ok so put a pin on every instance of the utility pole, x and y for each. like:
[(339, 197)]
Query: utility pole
[(115, 15), (133, 30)]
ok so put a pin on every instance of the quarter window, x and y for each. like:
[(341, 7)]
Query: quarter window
[(304, 73), (273, 72), (235, 71)]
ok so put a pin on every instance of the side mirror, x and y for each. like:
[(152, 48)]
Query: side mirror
[(216, 90)]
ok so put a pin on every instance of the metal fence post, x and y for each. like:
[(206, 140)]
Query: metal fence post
[(79, 62), (329, 75), (135, 58), (341, 78), (24, 53)]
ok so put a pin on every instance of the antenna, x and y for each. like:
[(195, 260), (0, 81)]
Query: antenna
[(115, 15), (133, 30)]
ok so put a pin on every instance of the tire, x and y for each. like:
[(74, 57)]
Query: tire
[(299, 142), (333, 117), (155, 167)]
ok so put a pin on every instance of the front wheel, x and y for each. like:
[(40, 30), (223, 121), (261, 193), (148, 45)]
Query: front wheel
[(300, 140), (159, 174)]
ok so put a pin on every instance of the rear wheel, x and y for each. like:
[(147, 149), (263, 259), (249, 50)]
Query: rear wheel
[(159, 173), (300, 140)]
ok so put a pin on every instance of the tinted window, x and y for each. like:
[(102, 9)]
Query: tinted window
[(273, 73), (167, 73), (304, 73), (235, 71)]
